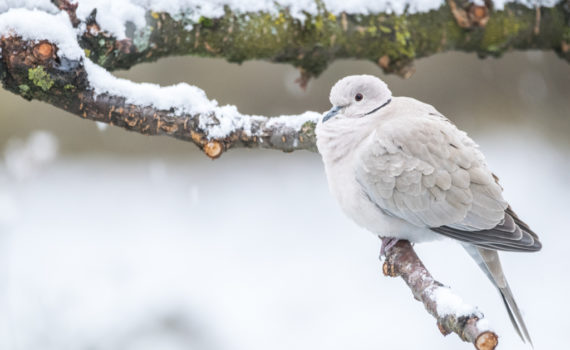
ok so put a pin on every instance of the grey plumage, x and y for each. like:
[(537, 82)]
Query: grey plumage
[(488, 261), (511, 234), (401, 169)]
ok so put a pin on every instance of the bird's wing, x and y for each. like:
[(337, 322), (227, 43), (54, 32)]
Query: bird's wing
[(424, 170)]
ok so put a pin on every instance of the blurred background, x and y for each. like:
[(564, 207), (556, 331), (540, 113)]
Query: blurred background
[(115, 240)]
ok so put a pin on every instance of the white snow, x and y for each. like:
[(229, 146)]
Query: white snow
[(23, 158), (223, 120), (181, 98), (220, 121), (484, 324), (112, 15), (8, 209), (102, 126), (228, 119), (247, 271), (500, 4), (293, 121), (44, 5), (39, 25), (450, 303)]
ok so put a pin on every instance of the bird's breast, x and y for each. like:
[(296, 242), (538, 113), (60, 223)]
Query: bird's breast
[(351, 198), (363, 211)]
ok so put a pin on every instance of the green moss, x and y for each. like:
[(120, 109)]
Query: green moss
[(206, 22), (308, 128), (260, 36), (500, 29), (400, 38), (280, 19), (319, 23), (453, 32), (69, 87), (402, 35), (102, 60), (24, 88), (392, 37), (87, 52), (314, 41), (141, 38), (40, 78)]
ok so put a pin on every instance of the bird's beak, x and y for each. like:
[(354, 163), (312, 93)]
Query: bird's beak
[(331, 113)]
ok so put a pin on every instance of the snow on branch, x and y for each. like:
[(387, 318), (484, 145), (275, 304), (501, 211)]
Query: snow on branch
[(310, 34), (41, 59), (451, 313)]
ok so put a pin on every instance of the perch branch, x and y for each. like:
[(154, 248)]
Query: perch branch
[(452, 315)]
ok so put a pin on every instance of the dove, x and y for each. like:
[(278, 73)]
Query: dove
[(403, 171)]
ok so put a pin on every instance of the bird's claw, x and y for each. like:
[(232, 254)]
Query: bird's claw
[(387, 244), (388, 268)]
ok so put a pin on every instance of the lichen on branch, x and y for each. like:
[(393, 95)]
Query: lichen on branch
[(82, 88), (313, 38)]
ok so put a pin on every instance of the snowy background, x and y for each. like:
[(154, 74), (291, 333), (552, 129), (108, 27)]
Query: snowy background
[(116, 241)]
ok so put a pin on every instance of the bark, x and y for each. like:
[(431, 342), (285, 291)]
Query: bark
[(35, 71), (402, 260), (391, 41)]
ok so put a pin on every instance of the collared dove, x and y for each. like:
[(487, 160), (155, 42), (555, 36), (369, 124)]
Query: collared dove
[(402, 170)]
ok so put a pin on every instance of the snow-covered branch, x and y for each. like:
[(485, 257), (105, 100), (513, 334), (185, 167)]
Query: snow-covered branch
[(451, 313), (41, 59), (310, 34)]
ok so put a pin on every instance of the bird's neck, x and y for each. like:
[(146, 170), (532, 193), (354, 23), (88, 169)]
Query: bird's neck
[(336, 141)]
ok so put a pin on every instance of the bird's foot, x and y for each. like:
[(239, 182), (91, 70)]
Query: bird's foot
[(388, 268), (387, 244)]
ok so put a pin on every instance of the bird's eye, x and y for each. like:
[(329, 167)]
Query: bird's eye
[(358, 97)]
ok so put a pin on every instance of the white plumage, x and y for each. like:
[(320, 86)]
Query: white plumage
[(401, 169)]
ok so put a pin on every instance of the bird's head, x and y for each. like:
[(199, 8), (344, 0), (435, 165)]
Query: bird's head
[(356, 96)]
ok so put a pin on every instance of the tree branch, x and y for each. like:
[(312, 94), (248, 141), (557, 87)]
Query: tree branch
[(36, 71), (451, 313), (311, 40)]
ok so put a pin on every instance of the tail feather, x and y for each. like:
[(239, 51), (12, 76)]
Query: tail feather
[(488, 261), (514, 314)]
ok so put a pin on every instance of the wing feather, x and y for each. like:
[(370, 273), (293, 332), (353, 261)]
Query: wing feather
[(424, 170)]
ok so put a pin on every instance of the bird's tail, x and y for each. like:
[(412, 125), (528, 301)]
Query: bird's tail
[(488, 261)]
